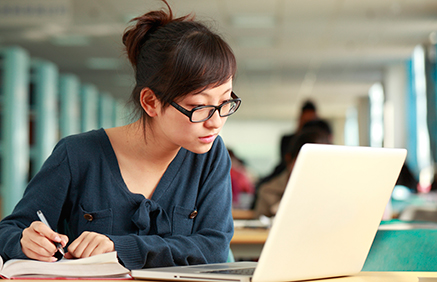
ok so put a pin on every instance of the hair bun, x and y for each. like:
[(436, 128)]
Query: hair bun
[(135, 36)]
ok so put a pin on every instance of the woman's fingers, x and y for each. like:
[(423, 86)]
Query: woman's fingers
[(37, 242), (90, 244)]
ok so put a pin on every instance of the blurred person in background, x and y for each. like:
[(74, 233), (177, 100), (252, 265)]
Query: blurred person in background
[(243, 189), (308, 113), (270, 192)]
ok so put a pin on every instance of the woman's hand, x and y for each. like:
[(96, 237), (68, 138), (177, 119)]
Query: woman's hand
[(89, 244), (37, 242)]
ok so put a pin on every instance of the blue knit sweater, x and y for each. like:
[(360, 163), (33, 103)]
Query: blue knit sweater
[(188, 220)]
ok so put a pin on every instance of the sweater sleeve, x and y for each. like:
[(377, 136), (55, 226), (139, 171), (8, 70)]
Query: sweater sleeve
[(211, 233), (46, 192)]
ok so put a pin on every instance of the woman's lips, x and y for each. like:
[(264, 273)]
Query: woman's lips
[(207, 139)]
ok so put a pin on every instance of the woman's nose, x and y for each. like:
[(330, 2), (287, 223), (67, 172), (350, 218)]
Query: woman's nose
[(216, 121)]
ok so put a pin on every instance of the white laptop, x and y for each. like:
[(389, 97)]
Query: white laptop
[(326, 222)]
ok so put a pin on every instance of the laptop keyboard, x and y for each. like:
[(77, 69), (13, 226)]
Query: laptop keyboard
[(240, 271)]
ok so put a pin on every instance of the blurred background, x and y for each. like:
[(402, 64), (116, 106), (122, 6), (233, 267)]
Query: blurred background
[(368, 66)]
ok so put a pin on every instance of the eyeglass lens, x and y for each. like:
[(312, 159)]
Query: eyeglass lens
[(205, 113)]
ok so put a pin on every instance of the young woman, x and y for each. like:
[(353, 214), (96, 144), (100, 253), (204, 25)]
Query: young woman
[(158, 190)]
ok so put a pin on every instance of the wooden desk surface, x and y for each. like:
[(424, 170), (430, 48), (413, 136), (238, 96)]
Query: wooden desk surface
[(250, 236), (406, 276), (243, 214), (259, 235)]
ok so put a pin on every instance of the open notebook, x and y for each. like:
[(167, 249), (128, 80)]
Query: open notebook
[(326, 222)]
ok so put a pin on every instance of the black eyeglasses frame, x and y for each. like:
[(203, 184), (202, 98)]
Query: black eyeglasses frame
[(189, 114)]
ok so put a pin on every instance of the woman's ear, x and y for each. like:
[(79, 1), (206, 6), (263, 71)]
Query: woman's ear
[(149, 102)]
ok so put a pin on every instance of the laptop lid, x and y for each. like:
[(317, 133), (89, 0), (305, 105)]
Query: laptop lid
[(326, 222), (330, 212)]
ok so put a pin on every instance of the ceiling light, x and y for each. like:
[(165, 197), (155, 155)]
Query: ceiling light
[(44, 32), (71, 40), (253, 21), (99, 29), (34, 35), (258, 65), (103, 63), (255, 41), (433, 38)]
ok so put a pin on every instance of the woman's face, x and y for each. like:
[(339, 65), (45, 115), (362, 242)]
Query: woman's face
[(177, 129)]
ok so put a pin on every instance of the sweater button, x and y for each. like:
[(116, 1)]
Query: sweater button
[(193, 214), (88, 217)]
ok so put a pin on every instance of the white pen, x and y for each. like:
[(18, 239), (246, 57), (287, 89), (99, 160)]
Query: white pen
[(44, 220)]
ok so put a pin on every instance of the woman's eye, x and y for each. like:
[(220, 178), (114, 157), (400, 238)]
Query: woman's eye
[(192, 106)]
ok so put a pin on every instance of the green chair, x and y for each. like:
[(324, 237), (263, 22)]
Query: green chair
[(403, 250), (230, 256)]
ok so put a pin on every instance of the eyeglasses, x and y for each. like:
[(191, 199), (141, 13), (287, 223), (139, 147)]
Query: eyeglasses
[(203, 113)]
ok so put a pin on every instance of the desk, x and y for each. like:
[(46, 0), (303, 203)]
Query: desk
[(247, 243), (243, 214), (360, 277), (407, 276), (250, 236)]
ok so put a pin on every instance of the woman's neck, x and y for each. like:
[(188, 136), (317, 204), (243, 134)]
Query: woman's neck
[(145, 144), (142, 159)]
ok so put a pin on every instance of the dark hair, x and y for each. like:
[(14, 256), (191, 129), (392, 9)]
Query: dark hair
[(175, 57), (310, 135), (308, 106), (318, 124)]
